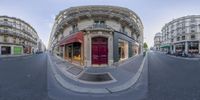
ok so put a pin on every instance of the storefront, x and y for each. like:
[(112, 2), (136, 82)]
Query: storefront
[(124, 47), (5, 50), (27, 49), (165, 48), (180, 47), (72, 48), (17, 50), (135, 48), (193, 47)]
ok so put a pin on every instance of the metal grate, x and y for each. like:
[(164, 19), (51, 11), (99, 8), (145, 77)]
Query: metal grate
[(100, 77)]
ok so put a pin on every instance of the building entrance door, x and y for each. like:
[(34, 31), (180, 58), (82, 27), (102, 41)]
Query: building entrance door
[(99, 50)]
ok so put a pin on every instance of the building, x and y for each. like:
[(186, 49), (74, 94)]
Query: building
[(40, 46), (16, 37), (182, 35), (96, 35), (157, 41)]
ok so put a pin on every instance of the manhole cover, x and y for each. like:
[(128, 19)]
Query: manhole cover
[(96, 77)]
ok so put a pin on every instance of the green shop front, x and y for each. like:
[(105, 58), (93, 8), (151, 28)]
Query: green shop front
[(165, 47), (17, 50)]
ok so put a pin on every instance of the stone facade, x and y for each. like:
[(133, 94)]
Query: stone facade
[(182, 35), (157, 41), (16, 37), (98, 26)]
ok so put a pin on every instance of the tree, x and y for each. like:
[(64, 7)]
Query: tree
[(145, 46)]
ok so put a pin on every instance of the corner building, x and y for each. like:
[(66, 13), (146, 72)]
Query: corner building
[(16, 37), (182, 35), (96, 35)]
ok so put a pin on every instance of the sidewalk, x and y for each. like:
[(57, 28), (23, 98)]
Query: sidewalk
[(13, 56), (196, 57), (95, 79)]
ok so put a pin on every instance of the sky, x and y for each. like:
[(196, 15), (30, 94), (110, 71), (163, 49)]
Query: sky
[(154, 14)]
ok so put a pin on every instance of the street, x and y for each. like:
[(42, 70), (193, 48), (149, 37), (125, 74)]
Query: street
[(23, 78), (172, 78), (169, 78)]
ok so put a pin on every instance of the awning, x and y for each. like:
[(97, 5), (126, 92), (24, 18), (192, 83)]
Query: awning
[(77, 37), (165, 46)]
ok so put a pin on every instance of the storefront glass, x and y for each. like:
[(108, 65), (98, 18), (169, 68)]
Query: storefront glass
[(180, 47), (123, 49), (69, 51), (5, 50), (73, 51), (193, 47), (77, 51), (17, 50)]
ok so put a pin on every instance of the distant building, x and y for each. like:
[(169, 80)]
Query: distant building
[(16, 37), (157, 41), (41, 47), (96, 35), (182, 35)]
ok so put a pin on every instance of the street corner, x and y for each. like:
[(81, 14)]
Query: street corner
[(93, 80)]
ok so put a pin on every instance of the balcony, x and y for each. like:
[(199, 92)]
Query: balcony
[(99, 27), (74, 31), (3, 23)]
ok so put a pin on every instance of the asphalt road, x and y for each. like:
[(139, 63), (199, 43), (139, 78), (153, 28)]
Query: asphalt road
[(172, 78), (23, 78), (29, 78)]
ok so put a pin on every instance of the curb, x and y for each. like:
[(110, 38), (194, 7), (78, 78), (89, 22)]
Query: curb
[(183, 58), (15, 56), (132, 81), (79, 89)]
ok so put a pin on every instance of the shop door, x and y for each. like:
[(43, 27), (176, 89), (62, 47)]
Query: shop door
[(99, 50)]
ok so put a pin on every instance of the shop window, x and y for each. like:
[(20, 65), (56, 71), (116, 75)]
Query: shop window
[(5, 50), (69, 51), (77, 51), (193, 47), (122, 49), (17, 50)]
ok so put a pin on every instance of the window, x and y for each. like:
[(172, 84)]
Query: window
[(192, 36), (5, 19), (14, 39), (178, 38), (172, 40), (5, 39), (192, 31), (123, 29), (77, 51), (5, 50), (74, 28), (99, 22), (183, 37)]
